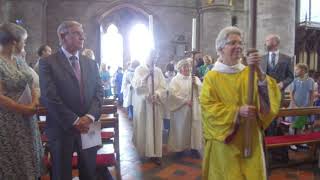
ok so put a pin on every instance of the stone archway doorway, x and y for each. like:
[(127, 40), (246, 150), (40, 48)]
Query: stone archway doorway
[(124, 17)]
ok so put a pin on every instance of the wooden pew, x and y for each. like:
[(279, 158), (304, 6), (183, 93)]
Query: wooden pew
[(310, 138), (105, 159), (109, 101), (110, 119), (299, 111)]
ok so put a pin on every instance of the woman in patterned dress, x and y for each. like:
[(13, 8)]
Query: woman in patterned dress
[(20, 150)]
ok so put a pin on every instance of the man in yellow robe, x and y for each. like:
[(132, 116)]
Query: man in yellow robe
[(224, 110)]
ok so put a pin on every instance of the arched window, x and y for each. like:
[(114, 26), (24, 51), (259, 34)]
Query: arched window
[(112, 48), (141, 42), (309, 11)]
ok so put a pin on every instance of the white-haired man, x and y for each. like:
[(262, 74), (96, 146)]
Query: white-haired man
[(224, 110), (72, 93)]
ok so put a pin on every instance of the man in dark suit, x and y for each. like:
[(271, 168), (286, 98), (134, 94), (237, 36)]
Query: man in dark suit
[(277, 65), (280, 67), (72, 93)]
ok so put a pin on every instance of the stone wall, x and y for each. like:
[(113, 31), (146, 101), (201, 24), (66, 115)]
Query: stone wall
[(4, 10), (172, 18), (32, 15), (214, 18), (277, 17)]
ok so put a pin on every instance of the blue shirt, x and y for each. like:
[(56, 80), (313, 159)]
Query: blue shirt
[(302, 89)]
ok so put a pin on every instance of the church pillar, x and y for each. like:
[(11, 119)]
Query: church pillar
[(277, 17), (213, 18), (4, 10), (32, 16)]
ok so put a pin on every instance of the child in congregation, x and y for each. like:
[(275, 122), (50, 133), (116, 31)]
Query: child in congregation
[(302, 89)]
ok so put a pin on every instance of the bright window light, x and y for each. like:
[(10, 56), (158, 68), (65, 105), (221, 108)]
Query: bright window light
[(304, 10), (315, 13), (112, 48), (141, 43)]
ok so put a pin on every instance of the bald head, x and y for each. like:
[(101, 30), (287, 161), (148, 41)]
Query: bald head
[(272, 42)]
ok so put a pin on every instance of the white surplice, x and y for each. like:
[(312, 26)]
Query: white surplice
[(185, 131), (126, 87), (144, 132)]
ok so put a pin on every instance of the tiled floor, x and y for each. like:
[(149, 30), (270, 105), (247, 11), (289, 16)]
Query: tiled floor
[(185, 168), (188, 168)]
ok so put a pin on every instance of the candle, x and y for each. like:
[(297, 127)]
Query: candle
[(151, 31), (194, 34)]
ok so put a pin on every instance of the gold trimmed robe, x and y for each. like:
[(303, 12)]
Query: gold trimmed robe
[(221, 97)]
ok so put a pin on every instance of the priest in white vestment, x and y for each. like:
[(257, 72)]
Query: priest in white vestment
[(127, 89), (185, 126), (147, 137)]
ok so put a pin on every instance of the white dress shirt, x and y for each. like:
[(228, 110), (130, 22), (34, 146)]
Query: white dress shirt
[(276, 59)]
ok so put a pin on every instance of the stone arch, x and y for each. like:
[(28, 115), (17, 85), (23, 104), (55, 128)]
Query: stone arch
[(113, 14), (116, 6)]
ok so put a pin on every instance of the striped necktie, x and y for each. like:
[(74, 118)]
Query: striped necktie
[(77, 71)]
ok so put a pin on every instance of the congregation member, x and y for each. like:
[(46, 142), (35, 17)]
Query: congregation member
[(106, 80), (21, 150), (147, 127), (35, 76), (127, 88), (317, 89), (89, 53), (43, 51), (185, 122), (276, 64), (170, 72), (302, 88), (280, 67), (118, 76), (301, 92), (72, 93), (207, 66), (224, 110)]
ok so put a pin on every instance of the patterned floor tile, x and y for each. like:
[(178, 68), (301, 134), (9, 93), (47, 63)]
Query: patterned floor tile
[(188, 168)]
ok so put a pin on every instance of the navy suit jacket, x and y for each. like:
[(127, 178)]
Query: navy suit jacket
[(60, 93), (282, 72)]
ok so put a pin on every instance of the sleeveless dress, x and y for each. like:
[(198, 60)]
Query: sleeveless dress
[(21, 150)]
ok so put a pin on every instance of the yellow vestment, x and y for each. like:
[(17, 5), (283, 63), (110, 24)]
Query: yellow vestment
[(221, 97)]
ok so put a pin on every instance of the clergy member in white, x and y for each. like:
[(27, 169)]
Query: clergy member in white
[(147, 139), (185, 130), (127, 88)]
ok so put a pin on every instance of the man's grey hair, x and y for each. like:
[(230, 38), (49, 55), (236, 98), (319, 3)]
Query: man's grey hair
[(222, 37), (64, 28)]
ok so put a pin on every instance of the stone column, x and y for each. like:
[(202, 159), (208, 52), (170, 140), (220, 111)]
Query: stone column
[(277, 17), (4, 11), (33, 16), (213, 19)]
